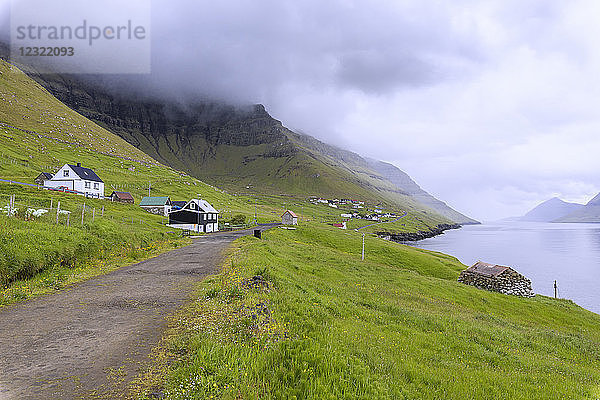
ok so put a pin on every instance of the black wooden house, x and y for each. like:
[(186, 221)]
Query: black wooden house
[(197, 216)]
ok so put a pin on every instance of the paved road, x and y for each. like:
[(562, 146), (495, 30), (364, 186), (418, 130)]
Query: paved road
[(91, 338)]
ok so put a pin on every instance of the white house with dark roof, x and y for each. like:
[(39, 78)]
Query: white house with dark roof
[(82, 180)]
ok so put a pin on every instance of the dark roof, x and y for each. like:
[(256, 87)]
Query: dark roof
[(85, 173), (179, 203), (46, 175), (122, 195), (155, 201), (487, 269)]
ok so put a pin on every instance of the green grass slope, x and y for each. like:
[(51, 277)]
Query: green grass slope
[(39, 133), (395, 326)]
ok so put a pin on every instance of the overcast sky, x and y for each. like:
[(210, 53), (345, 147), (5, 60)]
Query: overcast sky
[(492, 106)]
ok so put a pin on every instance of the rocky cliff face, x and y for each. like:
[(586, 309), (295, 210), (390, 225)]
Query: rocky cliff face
[(218, 124)]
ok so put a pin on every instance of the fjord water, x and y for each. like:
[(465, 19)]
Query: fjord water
[(544, 252)]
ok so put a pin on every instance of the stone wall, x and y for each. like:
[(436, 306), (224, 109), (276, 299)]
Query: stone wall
[(508, 282)]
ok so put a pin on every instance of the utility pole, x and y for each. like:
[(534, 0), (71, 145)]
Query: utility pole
[(555, 290), (149, 186), (363, 247)]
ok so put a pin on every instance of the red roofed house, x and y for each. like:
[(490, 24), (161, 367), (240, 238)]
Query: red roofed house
[(289, 218), (122, 197)]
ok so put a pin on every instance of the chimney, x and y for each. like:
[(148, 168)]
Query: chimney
[(79, 164)]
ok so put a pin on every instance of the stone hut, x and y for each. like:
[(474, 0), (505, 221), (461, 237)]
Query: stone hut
[(496, 278)]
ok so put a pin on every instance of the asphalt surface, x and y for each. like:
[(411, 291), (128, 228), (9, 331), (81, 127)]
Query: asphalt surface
[(92, 338)]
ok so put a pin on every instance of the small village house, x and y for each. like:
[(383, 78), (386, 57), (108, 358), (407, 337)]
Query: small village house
[(341, 225), (289, 218), (122, 197), (496, 278), (44, 176), (197, 215), (157, 205), (82, 180)]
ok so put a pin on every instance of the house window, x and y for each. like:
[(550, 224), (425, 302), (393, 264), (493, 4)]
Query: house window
[(66, 172), (96, 186), (87, 185)]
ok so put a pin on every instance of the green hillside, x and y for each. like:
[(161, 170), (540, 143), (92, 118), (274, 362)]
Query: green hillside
[(325, 325), (85, 236), (590, 213), (235, 147), (38, 134)]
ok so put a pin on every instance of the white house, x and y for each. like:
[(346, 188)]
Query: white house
[(289, 218), (82, 180)]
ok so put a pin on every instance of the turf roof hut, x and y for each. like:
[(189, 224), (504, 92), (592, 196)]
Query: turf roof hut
[(157, 205), (496, 278)]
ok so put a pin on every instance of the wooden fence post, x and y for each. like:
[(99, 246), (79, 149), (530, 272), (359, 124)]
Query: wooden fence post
[(82, 213), (57, 212)]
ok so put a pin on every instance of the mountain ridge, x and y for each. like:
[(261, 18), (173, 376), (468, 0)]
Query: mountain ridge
[(551, 210), (590, 213), (235, 147)]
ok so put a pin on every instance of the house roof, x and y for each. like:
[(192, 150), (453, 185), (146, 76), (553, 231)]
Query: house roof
[(204, 205), (46, 175), (154, 201), (179, 203), (486, 269), (291, 213), (85, 173), (122, 195)]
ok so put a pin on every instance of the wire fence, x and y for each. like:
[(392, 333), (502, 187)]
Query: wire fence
[(54, 211)]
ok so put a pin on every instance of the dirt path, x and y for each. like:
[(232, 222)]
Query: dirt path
[(92, 338)]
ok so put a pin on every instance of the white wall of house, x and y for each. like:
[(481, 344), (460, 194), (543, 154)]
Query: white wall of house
[(189, 227), (67, 178)]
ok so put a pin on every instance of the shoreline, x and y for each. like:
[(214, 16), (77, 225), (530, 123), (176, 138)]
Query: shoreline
[(416, 236)]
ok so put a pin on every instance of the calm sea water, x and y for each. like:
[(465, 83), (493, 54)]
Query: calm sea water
[(567, 253)]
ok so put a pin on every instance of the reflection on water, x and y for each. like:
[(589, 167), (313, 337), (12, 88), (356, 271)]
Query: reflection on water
[(568, 253)]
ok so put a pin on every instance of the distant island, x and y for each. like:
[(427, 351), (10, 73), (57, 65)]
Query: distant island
[(557, 210)]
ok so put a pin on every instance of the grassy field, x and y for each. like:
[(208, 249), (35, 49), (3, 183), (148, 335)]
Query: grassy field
[(40, 134), (327, 325)]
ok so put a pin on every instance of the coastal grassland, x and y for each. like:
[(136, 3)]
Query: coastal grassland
[(37, 254), (395, 326)]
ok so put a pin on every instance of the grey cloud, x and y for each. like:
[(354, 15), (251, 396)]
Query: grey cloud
[(477, 100)]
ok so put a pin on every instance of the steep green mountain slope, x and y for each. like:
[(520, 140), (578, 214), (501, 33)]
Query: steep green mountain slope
[(232, 147), (39, 133), (589, 213), (402, 180)]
